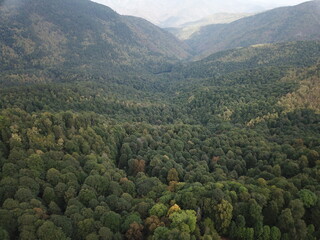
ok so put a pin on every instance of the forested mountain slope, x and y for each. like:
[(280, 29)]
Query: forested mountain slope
[(42, 39), (227, 147), (296, 54), (301, 22)]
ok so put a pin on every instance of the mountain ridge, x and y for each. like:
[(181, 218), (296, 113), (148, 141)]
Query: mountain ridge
[(300, 22), (74, 35), (186, 30)]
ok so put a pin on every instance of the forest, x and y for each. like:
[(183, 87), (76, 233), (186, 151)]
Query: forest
[(167, 157), (225, 148)]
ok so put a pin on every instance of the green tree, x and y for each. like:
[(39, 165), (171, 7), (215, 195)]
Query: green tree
[(23, 195), (35, 163), (308, 198), (160, 233), (223, 215), (105, 233), (286, 221), (48, 231), (265, 234), (85, 227), (297, 208), (53, 176), (158, 210), (275, 233), (112, 220), (184, 220)]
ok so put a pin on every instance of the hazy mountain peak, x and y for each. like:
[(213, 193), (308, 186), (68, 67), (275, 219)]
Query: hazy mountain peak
[(173, 13)]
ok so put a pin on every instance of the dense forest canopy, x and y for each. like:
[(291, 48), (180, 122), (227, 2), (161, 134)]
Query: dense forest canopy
[(224, 148)]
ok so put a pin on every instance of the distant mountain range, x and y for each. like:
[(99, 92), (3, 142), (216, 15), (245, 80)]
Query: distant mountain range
[(301, 22), (168, 13), (186, 30)]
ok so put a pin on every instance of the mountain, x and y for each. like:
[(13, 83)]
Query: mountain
[(39, 38), (168, 13), (186, 30), (301, 22)]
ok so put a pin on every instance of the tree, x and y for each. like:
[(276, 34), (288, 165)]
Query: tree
[(8, 188), (48, 231), (53, 176), (158, 210), (35, 163), (23, 195), (105, 233), (275, 233), (161, 233), (301, 230), (64, 223), (265, 234), (209, 230), (173, 175), (223, 216), (255, 214), (308, 198), (310, 234), (134, 217), (174, 208), (86, 195), (49, 195), (112, 220), (297, 209), (136, 166), (85, 227), (249, 234), (184, 220), (188, 201), (153, 222), (135, 231), (286, 221)]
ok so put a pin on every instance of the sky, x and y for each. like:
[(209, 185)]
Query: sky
[(174, 12)]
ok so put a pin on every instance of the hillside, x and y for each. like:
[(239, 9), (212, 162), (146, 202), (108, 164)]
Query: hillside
[(244, 84), (301, 22), (296, 54), (41, 38)]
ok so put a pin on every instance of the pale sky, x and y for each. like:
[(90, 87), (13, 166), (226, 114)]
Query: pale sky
[(166, 12)]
